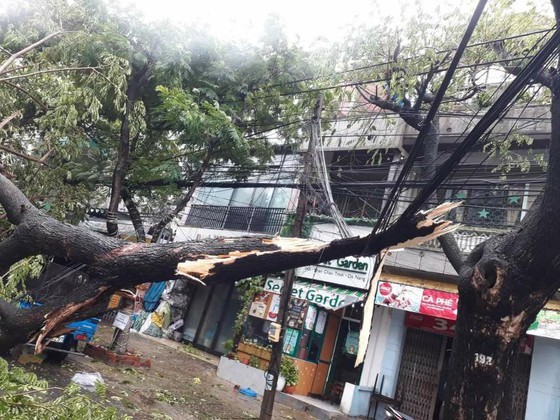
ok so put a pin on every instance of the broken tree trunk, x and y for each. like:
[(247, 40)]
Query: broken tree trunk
[(112, 264)]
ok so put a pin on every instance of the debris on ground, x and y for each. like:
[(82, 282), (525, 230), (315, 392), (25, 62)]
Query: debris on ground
[(179, 386), (88, 381)]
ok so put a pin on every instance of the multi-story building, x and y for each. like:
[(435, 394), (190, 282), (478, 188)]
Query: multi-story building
[(408, 346)]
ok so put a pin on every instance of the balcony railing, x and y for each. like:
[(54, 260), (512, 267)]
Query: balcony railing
[(246, 219), (467, 238)]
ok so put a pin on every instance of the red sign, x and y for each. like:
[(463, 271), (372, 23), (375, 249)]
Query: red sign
[(447, 327), (430, 324), (385, 288), (439, 304)]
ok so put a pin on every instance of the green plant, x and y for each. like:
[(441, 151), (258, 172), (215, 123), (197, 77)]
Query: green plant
[(25, 396), (289, 371), (254, 361), (228, 345), (248, 288), (165, 396), (289, 225)]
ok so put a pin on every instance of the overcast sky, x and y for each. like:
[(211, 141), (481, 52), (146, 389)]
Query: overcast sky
[(306, 20)]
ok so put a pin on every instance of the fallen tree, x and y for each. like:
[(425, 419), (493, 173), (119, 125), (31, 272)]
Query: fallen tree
[(112, 264)]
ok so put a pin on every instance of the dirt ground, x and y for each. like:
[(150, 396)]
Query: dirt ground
[(181, 384)]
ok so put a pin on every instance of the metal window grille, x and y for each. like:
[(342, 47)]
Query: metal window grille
[(247, 219)]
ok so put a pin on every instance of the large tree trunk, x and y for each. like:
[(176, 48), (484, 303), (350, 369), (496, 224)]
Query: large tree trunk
[(504, 283), (134, 214), (112, 263), (510, 280)]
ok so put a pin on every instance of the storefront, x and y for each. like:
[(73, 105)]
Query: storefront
[(210, 317), (410, 344), (323, 320), (423, 367), (431, 311)]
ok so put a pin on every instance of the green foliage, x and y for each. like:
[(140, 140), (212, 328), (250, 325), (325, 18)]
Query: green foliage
[(24, 396), (289, 371), (511, 154), (206, 131), (254, 361), (228, 345), (289, 225), (248, 289), (12, 284), (165, 396), (212, 94), (405, 59)]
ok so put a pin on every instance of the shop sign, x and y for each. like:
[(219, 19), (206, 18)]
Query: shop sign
[(430, 324), (329, 298), (296, 313), (416, 299), (291, 340), (272, 313), (351, 343), (447, 327), (547, 324), (349, 271), (439, 304), (311, 317)]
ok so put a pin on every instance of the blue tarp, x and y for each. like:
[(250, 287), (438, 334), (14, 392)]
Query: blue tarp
[(153, 295)]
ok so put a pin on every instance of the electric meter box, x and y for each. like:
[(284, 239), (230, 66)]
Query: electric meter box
[(274, 332)]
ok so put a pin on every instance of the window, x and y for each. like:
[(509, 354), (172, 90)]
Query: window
[(492, 207), (246, 209)]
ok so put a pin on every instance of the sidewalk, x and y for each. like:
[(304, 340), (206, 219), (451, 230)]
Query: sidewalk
[(181, 384), (312, 406)]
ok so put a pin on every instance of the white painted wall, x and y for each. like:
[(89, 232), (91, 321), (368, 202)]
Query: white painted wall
[(543, 398), (188, 233), (245, 376), (383, 357)]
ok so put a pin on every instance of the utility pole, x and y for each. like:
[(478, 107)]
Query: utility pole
[(273, 372)]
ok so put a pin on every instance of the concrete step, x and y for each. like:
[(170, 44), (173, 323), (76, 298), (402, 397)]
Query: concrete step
[(317, 408)]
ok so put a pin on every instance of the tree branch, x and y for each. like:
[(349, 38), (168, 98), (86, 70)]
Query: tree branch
[(23, 155), (15, 203), (543, 76), (9, 118), (24, 51), (453, 252), (109, 261), (11, 251), (35, 73), (25, 92), (412, 118)]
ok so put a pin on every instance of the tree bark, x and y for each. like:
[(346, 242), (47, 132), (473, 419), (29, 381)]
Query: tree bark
[(505, 283), (113, 264), (134, 85), (134, 214)]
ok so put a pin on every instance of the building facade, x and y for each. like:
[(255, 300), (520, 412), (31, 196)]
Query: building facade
[(416, 296)]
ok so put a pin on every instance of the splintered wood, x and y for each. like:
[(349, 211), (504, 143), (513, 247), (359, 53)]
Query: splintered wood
[(432, 219), (200, 268), (56, 318), (429, 226)]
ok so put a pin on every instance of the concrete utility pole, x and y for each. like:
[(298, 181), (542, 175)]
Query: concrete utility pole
[(273, 372)]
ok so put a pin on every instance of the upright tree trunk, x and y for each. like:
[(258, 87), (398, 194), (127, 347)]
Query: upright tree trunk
[(505, 282), (134, 85), (134, 214), (182, 203), (486, 347)]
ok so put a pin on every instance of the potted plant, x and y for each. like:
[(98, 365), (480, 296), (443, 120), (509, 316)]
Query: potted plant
[(290, 372)]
